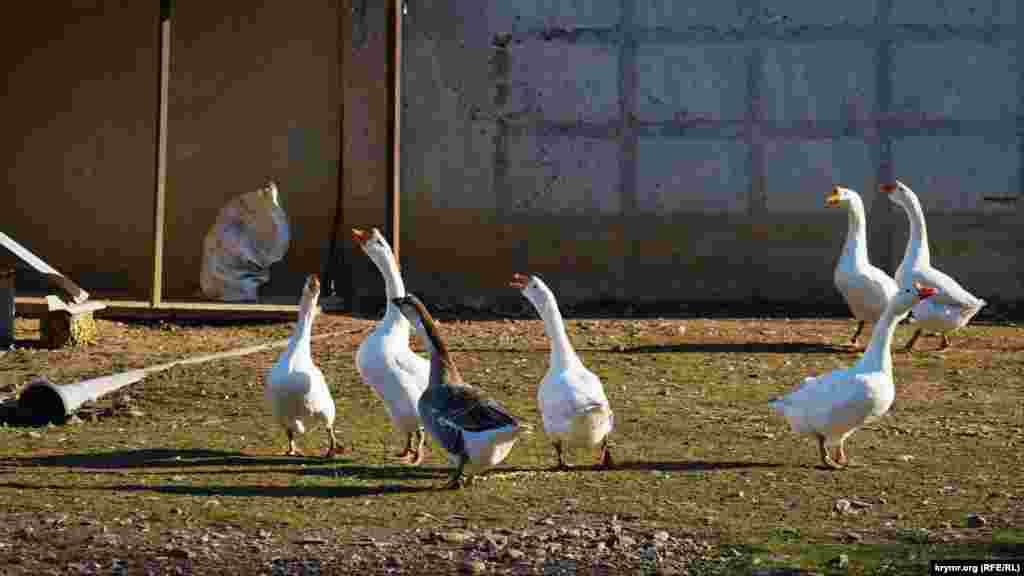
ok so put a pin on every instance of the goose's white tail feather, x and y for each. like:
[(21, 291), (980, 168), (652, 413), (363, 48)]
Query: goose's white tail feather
[(488, 448)]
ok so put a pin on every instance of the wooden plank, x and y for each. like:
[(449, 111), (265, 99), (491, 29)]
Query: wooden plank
[(54, 304), (72, 292), (394, 56), (168, 310), (163, 79)]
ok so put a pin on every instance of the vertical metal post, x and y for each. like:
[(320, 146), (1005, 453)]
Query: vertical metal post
[(394, 123), (163, 73), (336, 261)]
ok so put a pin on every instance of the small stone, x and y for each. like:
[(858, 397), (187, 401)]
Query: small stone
[(852, 536), (177, 511), (843, 506), (135, 413), (456, 537), (515, 554), (661, 536), (474, 567), (976, 521), (841, 562), (34, 434)]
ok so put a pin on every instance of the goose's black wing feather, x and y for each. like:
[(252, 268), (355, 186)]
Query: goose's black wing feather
[(473, 411)]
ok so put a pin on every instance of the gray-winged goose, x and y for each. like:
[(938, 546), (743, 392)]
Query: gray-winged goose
[(477, 432)]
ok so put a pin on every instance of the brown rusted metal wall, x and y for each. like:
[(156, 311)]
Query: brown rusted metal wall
[(365, 49), (254, 93), (78, 119)]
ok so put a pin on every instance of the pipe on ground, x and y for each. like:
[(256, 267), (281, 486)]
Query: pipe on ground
[(42, 402)]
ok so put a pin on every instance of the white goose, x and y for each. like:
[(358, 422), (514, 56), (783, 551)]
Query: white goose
[(953, 306), (477, 432), (384, 360), (573, 405), (833, 406), (295, 388), (866, 288)]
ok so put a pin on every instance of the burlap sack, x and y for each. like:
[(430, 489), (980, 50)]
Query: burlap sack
[(250, 234)]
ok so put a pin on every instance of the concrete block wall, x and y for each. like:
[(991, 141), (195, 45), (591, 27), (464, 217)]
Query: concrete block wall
[(659, 151)]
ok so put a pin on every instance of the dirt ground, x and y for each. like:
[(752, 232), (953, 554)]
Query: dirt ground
[(183, 473)]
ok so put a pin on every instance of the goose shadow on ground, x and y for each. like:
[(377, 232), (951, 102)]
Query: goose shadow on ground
[(649, 466), (746, 347), (188, 460), (749, 347), (679, 466), (243, 490)]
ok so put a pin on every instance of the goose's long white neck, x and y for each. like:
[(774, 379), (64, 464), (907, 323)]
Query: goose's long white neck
[(878, 355), (855, 250), (917, 252), (562, 353), (394, 287), (302, 335)]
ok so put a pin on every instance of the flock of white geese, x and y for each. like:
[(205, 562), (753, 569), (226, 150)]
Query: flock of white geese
[(478, 433)]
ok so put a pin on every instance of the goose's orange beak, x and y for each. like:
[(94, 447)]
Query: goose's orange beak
[(832, 200), (887, 188), (519, 281), (360, 236), (926, 291)]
